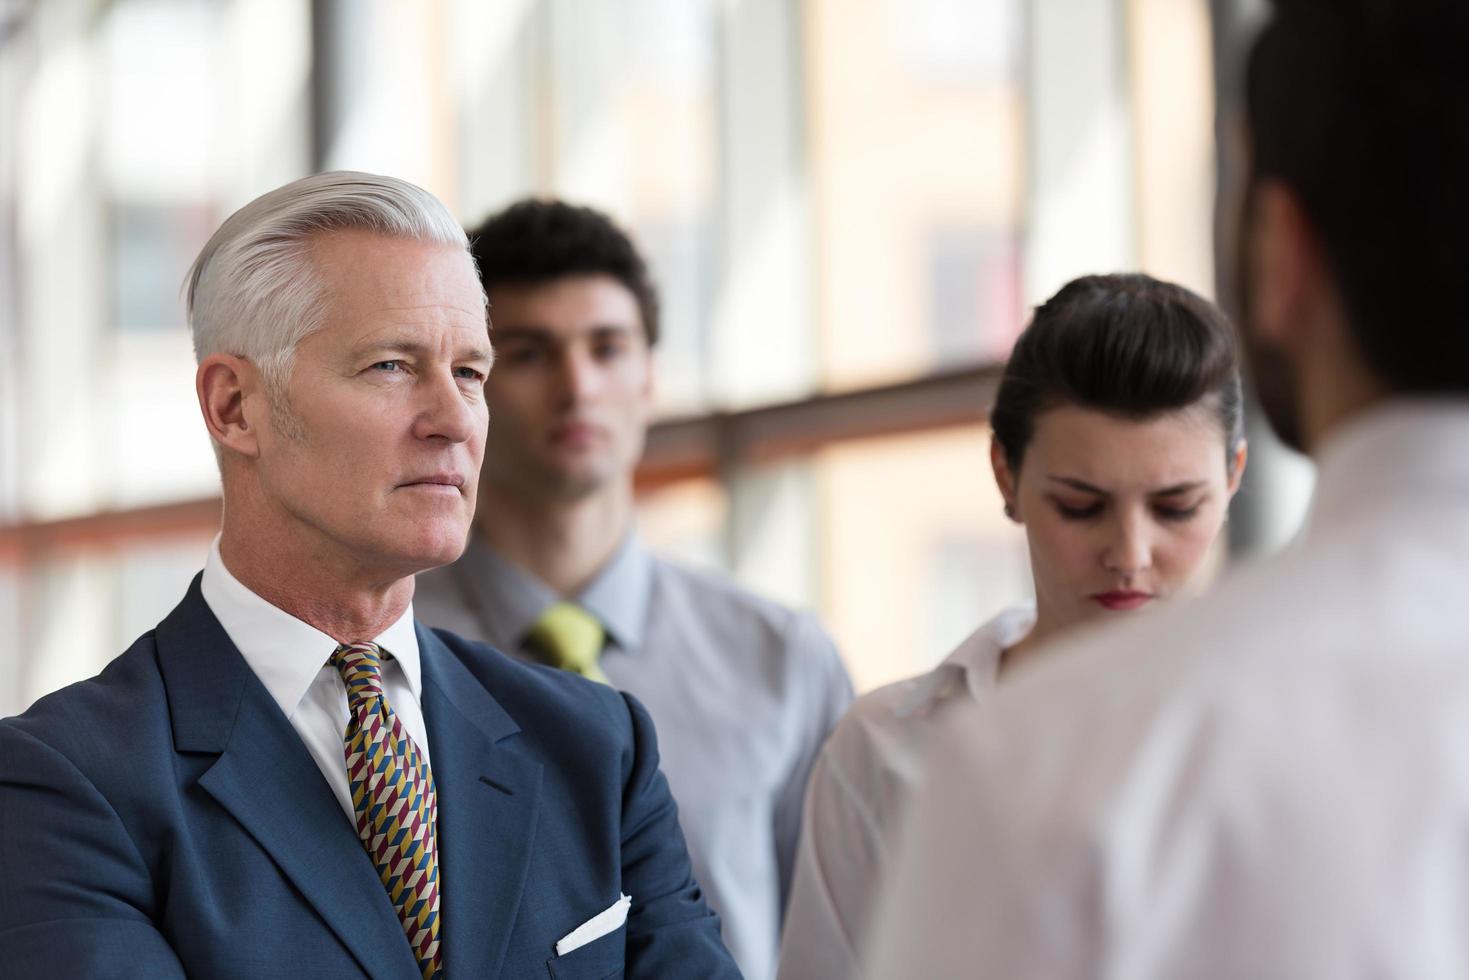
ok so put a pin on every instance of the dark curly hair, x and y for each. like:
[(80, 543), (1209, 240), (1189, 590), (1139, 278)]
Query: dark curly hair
[(535, 241)]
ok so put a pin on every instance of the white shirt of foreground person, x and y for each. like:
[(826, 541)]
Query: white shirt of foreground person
[(859, 789), (1272, 782)]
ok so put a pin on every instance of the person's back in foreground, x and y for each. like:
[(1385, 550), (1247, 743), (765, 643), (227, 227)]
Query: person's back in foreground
[(1275, 781)]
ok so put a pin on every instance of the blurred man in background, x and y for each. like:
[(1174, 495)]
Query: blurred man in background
[(743, 690)]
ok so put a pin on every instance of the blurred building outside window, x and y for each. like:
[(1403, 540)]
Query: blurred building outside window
[(850, 201)]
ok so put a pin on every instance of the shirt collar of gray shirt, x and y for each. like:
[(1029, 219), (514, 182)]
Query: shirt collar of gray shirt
[(513, 599)]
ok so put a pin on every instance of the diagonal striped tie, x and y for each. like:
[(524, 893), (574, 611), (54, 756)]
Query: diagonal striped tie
[(397, 808)]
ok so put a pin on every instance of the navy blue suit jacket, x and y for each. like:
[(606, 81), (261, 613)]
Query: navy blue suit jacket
[(163, 819)]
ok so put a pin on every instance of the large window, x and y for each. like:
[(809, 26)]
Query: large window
[(849, 206), (917, 157)]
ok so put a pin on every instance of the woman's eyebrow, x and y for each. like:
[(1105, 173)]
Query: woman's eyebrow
[(1076, 484), (1172, 490), (1178, 488)]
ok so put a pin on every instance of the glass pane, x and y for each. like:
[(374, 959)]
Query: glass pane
[(13, 658), (69, 633), (166, 185), (1170, 68), (685, 521), (138, 124), (634, 131), (153, 244), (84, 607), (916, 551), (152, 578), (917, 150)]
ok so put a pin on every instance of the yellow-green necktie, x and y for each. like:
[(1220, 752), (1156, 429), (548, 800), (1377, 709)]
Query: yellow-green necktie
[(571, 638)]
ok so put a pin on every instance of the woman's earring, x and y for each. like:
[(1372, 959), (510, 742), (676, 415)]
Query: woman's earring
[(1009, 510)]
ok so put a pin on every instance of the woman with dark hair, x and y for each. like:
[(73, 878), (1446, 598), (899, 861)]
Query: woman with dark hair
[(1118, 443)]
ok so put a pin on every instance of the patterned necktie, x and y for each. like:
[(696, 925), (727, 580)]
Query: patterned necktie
[(397, 808), (571, 638)]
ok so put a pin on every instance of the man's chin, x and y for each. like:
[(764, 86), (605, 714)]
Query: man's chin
[(541, 482), (431, 546), (571, 484), (446, 555)]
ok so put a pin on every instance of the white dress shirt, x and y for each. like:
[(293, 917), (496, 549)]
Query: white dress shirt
[(1271, 782), (859, 788), (290, 658)]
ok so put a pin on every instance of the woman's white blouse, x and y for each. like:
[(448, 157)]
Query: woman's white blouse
[(859, 787)]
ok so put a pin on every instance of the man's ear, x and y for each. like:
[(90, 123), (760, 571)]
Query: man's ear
[(1285, 266), (1004, 479), (1241, 456), (223, 383)]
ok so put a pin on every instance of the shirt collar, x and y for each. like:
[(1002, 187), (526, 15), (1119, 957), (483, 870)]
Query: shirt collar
[(512, 599), (508, 600), (1402, 449), (973, 665), (283, 651), (620, 592)]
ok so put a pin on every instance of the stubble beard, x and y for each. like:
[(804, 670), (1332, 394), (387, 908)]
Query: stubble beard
[(282, 417), (537, 483), (1271, 373)]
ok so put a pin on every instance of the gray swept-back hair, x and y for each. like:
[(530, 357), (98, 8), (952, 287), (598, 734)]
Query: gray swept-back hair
[(253, 291)]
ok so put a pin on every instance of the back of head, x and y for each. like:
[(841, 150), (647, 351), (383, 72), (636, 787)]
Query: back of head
[(1361, 107), (1125, 345), (252, 291), (535, 241)]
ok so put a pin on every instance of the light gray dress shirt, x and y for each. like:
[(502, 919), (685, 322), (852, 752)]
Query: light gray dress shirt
[(743, 692)]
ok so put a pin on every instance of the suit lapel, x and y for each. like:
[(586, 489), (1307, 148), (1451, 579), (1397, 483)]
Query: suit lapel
[(265, 778), (488, 798)]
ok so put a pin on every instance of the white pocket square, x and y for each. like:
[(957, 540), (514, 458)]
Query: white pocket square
[(596, 927)]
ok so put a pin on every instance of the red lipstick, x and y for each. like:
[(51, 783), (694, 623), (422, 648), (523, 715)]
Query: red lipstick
[(1121, 600)]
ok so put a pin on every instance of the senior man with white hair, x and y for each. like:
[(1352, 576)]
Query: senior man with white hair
[(289, 776)]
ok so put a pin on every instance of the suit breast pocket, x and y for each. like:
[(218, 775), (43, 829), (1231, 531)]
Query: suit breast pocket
[(599, 959)]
